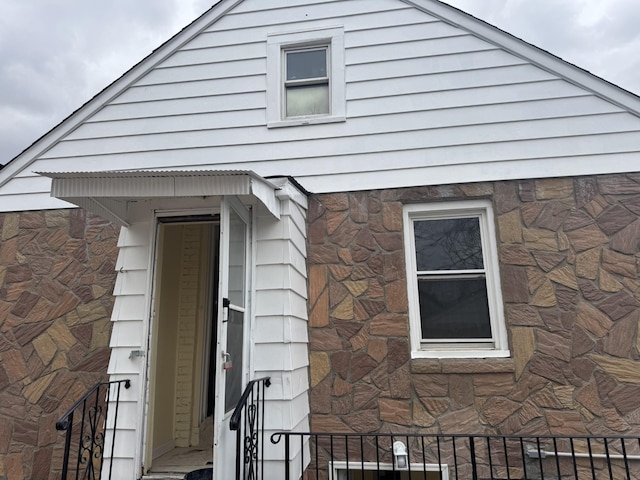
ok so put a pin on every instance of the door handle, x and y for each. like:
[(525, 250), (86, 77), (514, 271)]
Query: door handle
[(225, 309)]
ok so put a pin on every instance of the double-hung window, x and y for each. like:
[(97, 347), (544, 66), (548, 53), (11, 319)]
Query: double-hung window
[(306, 81), (455, 305), (305, 77)]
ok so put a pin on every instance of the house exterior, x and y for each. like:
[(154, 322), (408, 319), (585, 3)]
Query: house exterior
[(409, 220)]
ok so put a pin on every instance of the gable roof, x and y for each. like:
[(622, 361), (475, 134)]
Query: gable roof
[(444, 12)]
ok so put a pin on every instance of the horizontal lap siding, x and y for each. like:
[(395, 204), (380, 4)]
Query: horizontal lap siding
[(420, 93), (128, 333), (280, 330)]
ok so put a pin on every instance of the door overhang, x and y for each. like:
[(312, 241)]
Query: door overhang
[(112, 194)]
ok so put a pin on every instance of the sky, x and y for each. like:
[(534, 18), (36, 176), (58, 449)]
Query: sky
[(57, 54)]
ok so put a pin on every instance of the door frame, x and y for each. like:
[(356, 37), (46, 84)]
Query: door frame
[(145, 425)]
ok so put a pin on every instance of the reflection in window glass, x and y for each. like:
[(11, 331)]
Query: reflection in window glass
[(233, 377), (454, 308), (307, 100), (237, 257), (306, 64), (448, 244)]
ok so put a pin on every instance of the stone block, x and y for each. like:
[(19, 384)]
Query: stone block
[(332, 222), (523, 346), (622, 369), (319, 367), (497, 409), (514, 284), (487, 385), (627, 240), (395, 411), (554, 188), (538, 239), (593, 320), (510, 227), (564, 276), (618, 305), (392, 216), (586, 238)]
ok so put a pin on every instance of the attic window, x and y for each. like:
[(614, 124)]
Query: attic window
[(306, 82), (305, 77)]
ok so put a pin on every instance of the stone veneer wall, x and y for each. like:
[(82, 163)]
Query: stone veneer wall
[(569, 258), (57, 271)]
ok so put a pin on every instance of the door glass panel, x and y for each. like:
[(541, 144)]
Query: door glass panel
[(236, 313), (233, 378), (237, 258)]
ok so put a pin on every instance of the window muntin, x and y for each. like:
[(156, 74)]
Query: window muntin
[(454, 292)]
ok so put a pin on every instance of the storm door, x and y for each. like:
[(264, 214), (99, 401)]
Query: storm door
[(233, 335)]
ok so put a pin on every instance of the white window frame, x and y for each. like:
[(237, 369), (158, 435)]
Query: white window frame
[(338, 470), (481, 209), (277, 44)]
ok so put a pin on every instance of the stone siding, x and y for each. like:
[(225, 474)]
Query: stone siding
[(568, 251), (57, 271)]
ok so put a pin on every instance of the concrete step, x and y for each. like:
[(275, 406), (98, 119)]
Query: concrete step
[(198, 474)]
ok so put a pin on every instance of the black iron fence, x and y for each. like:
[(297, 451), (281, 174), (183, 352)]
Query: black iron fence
[(247, 421), (84, 424), (339, 456)]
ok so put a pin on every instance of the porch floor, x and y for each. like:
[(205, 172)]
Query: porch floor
[(183, 460)]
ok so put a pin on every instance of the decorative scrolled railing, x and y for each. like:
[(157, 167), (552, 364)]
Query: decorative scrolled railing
[(247, 421), (87, 419)]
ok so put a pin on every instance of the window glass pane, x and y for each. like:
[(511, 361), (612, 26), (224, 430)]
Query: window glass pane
[(448, 244), (454, 308), (233, 377), (307, 64), (237, 253), (307, 100)]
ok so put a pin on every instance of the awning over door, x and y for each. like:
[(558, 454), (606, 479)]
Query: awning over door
[(110, 194)]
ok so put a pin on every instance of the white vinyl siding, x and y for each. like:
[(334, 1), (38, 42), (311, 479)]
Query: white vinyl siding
[(426, 103)]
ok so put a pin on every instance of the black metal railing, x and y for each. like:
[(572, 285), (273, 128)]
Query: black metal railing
[(340, 456), (247, 421), (84, 424)]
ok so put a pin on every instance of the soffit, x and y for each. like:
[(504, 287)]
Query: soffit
[(111, 194)]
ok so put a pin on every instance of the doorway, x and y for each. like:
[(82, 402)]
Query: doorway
[(184, 336)]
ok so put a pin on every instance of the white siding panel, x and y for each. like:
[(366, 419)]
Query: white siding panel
[(353, 23), (400, 32), (281, 357), (127, 334), (222, 94), (131, 282), (288, 148), (384, 52), (301, 14), (276, 329), (170, 107), (207, 121), (19, 202), (428, 65), (122, 468), (32, 183), (209, 71), (215, 54), (510, 74)]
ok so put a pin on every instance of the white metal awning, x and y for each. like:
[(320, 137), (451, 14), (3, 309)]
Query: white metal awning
[(110, 194)]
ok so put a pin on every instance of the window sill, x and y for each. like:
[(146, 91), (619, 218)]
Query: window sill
[(462, 365), (306, 121)]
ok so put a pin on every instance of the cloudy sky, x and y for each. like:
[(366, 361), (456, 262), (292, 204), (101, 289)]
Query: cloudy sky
[(57, 54)]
